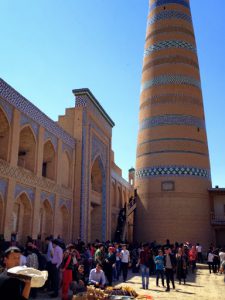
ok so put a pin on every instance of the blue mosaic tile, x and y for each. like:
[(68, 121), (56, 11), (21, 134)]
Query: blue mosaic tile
[(52, 138), (26, 107), (28, 190), (165, 2), (169, 44), (171, 79), (3, 187), (165, 120), (49, 197), (171, 99), (81, 101), (85, 102), (8, 110), (171, 14), (66, 203), (25, 120), (157, 171), (67, 148), (98, 148)]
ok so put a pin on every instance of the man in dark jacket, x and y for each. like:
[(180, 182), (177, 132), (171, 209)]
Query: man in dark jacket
[(170, 266), (13, 288)]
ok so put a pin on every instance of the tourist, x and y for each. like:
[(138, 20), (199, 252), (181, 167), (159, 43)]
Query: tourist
[(78, 285), (159, 263), (97, 277), (199, 253), (181, 268), (100, 254), (13, 288), (210, 258), (118, 261), (192, 258), (56, 263), (67, 272), (145, 262), (125, 260), (109, 264), (170, 265)]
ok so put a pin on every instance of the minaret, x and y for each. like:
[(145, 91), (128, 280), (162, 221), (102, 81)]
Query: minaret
[(172, 163)]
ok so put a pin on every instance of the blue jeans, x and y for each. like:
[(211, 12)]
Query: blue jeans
[(145, 276)]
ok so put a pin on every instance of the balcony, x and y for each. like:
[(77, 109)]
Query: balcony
[(217, 219)]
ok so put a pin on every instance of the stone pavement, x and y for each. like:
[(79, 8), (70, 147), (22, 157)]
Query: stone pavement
[(200, 285)]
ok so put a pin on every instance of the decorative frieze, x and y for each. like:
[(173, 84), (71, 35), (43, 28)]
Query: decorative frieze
[(162, 45), (30, 110), (169, 14), (19, 189), (171, 79), (28, 178), (157, 171), (165, 120), (7, 109), (25, 120)]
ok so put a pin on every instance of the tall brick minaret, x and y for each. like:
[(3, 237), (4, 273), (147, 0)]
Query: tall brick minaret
[(172, 163)]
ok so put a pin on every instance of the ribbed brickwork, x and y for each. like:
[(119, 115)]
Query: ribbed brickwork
[(172, 163)]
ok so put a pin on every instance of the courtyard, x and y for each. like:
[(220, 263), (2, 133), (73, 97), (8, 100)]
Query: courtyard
[(200, 285)]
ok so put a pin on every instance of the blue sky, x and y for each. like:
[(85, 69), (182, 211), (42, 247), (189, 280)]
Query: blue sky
[(49, 47)]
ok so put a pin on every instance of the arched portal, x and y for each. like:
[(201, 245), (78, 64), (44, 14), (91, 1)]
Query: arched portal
[(27, 149), (46, 219), (22, 218), (4, 135), (63, 224), (1, 214), (97, 209), (49, 161)]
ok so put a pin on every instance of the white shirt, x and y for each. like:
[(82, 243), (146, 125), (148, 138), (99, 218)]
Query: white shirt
[(125, 256), (222, 257), (210, 257), (199, 248)]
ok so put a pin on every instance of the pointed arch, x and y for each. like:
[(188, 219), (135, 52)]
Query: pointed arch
[(98, 205), (64, 223), (4, 135), (66, 169), (97, 175), (49, 161), (22, 217), (46, 219), (27, 148)]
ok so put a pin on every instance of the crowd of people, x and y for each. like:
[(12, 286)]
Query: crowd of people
[(74, 266)]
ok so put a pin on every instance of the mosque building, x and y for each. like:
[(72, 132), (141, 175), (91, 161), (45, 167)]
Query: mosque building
[(58, 178)]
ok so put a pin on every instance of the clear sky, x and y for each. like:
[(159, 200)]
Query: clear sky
[(49, 47)]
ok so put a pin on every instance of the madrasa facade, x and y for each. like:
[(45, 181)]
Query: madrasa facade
[(58, 178)]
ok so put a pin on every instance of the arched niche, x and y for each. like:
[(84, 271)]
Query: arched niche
[(27, 149), (22, 217), (4, 135), (49, 161)]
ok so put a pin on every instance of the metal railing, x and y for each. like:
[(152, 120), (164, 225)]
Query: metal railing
[(217, 219)]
